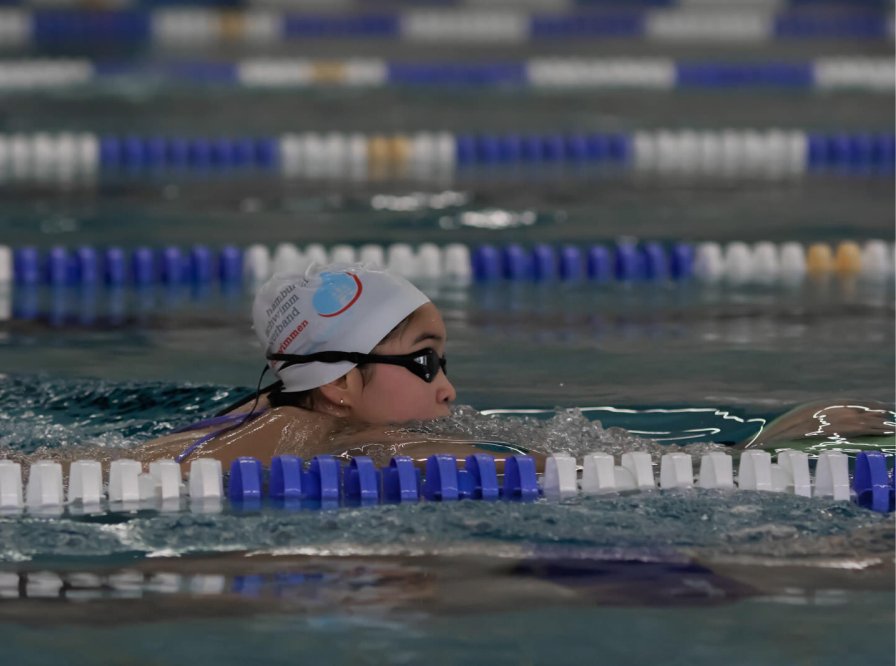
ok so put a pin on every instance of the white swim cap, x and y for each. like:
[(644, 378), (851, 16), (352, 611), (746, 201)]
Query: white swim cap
[(339, 307)]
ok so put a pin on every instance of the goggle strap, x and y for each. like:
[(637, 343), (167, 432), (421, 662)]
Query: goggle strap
[(422, 370), (320, 357)]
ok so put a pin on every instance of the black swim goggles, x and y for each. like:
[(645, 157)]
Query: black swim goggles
[(425, 363)]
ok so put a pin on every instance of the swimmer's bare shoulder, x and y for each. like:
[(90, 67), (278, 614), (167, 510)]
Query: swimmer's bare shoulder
[(305, 433), (278, 431)]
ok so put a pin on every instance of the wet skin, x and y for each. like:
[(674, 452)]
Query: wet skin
[(830, 419)]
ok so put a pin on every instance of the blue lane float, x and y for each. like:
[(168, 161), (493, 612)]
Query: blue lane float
[(135, 153), (455, 74), (286, 482), (51, 27), (516, 262), (115, 271), (143, 266), (544, 262), (324, 479), (619, 24), (230, 265), (681, 261), (58, 267), (486, 264), (87, 266), (600, 264), (866, 26), (483, 476), (571, 265), (440, 482), (26, 266), (629, 264), (362, 481), (172, 265), (401, 480), (520, 478), (245, 484), (654, 260), (850, 153), (874, 488), (116, 267), (745, 75)]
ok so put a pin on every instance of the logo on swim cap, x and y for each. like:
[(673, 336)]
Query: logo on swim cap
[(336, 294)]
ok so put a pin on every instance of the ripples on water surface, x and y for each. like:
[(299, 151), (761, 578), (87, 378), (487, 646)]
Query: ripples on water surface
[(107, 419), (598, 369), (507, 580), (696, 577)]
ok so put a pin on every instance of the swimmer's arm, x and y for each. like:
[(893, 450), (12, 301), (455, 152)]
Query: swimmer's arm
[(824, 420)]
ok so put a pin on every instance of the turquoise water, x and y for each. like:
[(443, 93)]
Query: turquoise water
[(697, 577)]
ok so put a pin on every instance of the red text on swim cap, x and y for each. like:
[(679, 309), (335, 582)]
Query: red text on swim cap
[(292, 336)]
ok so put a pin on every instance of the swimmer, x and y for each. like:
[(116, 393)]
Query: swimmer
[(357, 352), (833, 421)]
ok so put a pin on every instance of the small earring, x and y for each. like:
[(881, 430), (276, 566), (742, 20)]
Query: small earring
[(341, 401)]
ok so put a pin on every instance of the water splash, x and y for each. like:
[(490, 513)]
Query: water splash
[(552, 431)]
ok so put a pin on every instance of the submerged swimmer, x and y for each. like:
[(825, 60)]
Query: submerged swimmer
[(357, 352)]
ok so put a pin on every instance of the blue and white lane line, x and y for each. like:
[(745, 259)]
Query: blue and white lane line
[(730, 153), (868, 74), (326, 482), (200, 265), (52, 28)]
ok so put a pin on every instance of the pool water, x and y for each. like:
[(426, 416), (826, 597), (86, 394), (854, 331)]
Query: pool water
[(695, 577), (553, 369)]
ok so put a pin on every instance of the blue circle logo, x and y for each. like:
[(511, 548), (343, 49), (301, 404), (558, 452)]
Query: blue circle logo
[(337, 293)]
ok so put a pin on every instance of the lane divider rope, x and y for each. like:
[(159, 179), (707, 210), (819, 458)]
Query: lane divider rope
[(554, 5), (46, 28), (823, 74), (325, 481), (745, 153), (736, 262)]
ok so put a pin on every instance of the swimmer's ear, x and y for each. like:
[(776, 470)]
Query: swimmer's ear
[(339, 394)]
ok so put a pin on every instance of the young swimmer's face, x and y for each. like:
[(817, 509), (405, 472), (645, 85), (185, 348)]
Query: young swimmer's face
[(394, 394)]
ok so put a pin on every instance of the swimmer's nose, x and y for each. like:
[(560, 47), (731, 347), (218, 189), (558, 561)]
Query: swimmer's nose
[(445, 392)]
